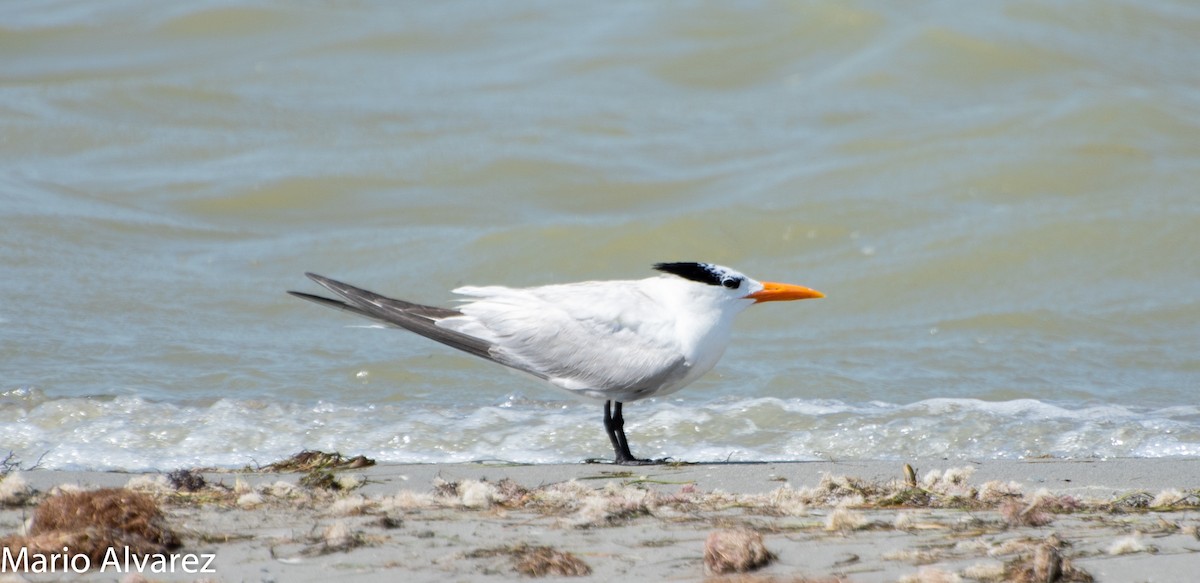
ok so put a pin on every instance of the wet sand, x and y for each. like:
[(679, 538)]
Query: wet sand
[(863, 521)]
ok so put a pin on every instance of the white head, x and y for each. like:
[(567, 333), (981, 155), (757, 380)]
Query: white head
[(733, 285)]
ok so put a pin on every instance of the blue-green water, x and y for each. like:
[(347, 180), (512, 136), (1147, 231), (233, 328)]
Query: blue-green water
[(999, 200)]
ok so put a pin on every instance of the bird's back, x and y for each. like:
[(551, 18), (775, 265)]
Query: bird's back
[(609, 340)]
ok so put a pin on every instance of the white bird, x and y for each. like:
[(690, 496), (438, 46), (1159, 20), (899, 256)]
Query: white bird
[(612, 341)]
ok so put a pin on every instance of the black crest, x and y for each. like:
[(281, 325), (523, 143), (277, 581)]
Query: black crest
[(701, 272)]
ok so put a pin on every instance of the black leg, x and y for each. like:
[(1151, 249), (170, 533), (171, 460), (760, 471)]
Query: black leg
[(614, 425), (610, 429), (622, 441)]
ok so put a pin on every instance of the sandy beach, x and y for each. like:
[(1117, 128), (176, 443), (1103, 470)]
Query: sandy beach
[(861, 521)]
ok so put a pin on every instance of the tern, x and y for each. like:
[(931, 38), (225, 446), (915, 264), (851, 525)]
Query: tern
[(610, 341)]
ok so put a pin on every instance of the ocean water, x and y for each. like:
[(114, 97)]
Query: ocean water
[(1000, 201)]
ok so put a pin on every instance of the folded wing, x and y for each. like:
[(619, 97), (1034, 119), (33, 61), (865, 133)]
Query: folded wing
[(606, 340), (601, 339)]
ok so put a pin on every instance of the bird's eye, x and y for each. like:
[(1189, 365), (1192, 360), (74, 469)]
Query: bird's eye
[(732, 282)]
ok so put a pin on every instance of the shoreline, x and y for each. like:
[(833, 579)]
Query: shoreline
[(1057, 474), (862, 521)]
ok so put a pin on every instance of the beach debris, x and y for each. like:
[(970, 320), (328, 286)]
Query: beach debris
[(1047, 563), (309, 460), (510, 492), (95, 522), (1020, 513), (353, 505), (593, 511), (388, 522), (951, 482), (537, 561), (347, 482), (318, 479), (995, 491), (185, 480), (1043, 565), (1129, 545), (1137, 500), (785, 500), (543, 561), (282, 489), (241, 486), (1038, 509), (1043, 562), (583, 505), (996, 529), (153, 484), (12, 463), (985, 571), (561, 497), (736, 550), (1173, 497), (338, 537), (319, 469), (409, 501), (476, 494), (479, 494), (443, 488), (250, 500), (325, 479), (844, 520), (14, 490)]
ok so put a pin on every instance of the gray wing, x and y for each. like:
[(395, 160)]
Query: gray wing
[(604, 340), (416, 318)]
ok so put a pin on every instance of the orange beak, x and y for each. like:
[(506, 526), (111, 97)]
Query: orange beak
[(782, 292)]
